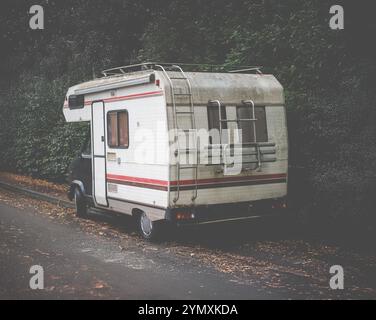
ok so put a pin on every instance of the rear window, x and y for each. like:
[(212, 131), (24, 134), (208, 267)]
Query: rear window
[(214, 121), (245, 112)]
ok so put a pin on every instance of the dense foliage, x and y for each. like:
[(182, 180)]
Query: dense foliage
[(329, 78)]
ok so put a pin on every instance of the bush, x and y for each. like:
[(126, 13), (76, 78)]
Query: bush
[(37, 140)]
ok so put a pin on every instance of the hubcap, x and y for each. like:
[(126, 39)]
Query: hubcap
[(146, 224)]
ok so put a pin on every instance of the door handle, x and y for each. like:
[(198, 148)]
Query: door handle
[(102, 138)]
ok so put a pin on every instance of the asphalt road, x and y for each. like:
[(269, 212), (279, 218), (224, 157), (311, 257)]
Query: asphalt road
[(78, 265), (103, 258)]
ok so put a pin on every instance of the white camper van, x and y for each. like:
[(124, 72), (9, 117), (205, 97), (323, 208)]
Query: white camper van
[(184, 147)]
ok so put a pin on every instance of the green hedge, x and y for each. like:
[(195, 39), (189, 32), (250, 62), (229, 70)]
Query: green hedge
[(36, 140)]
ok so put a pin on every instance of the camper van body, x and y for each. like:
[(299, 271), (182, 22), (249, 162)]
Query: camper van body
[(142, 164)]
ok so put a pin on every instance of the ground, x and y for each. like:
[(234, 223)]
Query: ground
[(103, 258)]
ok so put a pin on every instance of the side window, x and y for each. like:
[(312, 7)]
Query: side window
[(118, 129), (245, 112), (76, 102), (213, 119)]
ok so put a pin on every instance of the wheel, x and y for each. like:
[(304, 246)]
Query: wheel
[(148, 229), (81, 206)]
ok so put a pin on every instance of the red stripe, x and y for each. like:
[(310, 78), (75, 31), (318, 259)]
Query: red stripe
[(135, 179), (232, 179), (134, 96), (201, 181), (127, 97)]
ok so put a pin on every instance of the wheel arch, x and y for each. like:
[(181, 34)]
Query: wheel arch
[(76, 184), (136, 212)]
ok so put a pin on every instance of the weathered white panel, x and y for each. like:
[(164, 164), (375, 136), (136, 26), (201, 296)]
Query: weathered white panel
[(234, 194), (141, 195)]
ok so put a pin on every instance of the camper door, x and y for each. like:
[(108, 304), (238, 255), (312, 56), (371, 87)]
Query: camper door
[(98, 139)]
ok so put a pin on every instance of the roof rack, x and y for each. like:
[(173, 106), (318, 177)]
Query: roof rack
[(187, 66)]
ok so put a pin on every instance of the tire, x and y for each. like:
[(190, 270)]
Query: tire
[(80, 202), (148, 229)]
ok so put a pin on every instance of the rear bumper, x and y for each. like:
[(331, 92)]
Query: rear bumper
[(226, 212)]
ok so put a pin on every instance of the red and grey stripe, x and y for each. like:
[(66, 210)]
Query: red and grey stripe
[(127, 97), (184, 185)]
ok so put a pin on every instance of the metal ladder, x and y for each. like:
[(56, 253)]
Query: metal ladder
[(179, 152), (252, 120)]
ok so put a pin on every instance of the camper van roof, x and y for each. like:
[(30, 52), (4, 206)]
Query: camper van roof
[(228, 87)]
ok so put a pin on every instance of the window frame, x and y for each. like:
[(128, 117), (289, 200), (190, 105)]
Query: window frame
[(117, 146)]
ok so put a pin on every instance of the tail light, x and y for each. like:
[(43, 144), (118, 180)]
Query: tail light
[(184, 216), (279, 205)]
